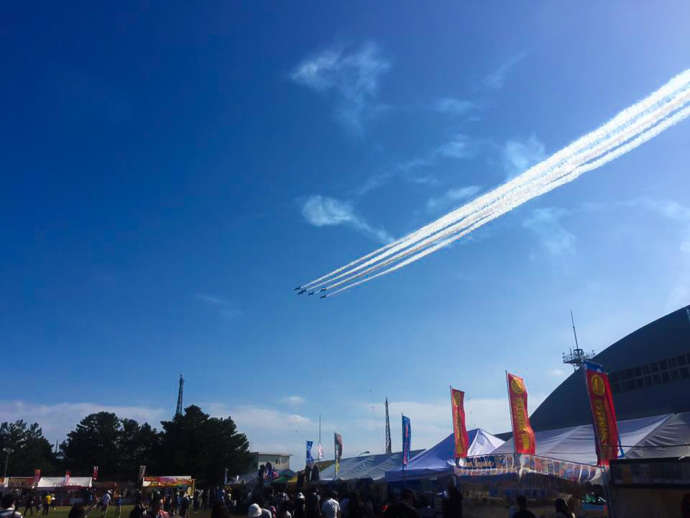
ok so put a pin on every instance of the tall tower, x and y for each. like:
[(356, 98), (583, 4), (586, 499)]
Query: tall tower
[(178, 411), (388, 430)]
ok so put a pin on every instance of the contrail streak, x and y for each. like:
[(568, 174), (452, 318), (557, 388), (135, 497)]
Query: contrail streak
[(627, 130), (682, 114), (530, 188)]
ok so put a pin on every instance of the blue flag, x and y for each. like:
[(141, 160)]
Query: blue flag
[(310, 459), (406, 440)]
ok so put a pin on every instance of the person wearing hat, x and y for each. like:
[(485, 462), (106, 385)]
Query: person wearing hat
[(255, 511)]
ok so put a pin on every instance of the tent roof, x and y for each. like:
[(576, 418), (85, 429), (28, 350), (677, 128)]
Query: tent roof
[(642, 437), (440, 458), (55, 482), (365, 466)]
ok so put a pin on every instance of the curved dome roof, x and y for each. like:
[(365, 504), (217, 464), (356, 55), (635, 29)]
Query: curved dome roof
[(649, 371)]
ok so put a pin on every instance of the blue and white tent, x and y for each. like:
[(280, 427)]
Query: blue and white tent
[(440, 459), (372, 467)]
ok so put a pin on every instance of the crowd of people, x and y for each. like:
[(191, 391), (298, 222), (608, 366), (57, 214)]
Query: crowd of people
[(313, 501)]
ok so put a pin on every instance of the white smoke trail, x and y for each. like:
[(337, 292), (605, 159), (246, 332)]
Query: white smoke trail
[(525, 192), (620, 127), (642, 138)]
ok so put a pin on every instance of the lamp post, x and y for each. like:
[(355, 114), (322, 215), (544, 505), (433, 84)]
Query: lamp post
[(8, 452)]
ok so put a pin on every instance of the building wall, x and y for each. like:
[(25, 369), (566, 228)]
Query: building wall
[(277, 460), (649, 371)]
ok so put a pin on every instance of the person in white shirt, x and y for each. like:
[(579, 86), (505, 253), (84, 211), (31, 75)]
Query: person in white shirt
[(8, 509), (331, 508), (105, 502)]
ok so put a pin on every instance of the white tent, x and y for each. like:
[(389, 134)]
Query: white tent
[(58, 482), (372, 467), (440, 459)]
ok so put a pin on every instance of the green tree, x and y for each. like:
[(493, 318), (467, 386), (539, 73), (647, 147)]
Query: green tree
[(94, 442), (137, 445), (203, 446), (28, 448)]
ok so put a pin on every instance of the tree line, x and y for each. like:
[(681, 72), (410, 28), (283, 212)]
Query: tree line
[(193, 443)]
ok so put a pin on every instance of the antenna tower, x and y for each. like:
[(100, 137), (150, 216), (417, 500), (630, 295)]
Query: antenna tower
[(388, 430), (576, 357), (178, 410)]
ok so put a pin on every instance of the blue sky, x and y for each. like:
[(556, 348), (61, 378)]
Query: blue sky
[(171, 171)]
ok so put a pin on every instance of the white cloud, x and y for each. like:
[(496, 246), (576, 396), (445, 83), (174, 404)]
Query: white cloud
[(519, 155), (322, 211), (223, 306), (496, 79), (557, 372), (293, 400), (460, 146), (453, 106), (451, 196), (554, 237), (59, 418), (352, 76)]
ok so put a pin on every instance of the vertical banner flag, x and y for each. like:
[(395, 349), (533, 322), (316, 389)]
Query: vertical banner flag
[(338, 449), (459, 429), (523, 435), (67, 478), (94, 475), (310, 459), (37, 476), (225, 478), (142, 472), (406, 440), (603, 412), (319, 451)]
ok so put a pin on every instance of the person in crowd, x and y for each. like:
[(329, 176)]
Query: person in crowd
[(313, 507), (105, 502), (330, 507), (452, 505), (522, 511), (53, 501), (561, 509), (255, 511), (118, 503), (29, 503), (157, 509), (139, 509), (8, 510), (300, 506), (405, 508), (77, 511)]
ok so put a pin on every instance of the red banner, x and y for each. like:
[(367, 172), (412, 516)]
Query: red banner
[(37, 476), (457, 398), (523, 435), (603, 413), (95, 473), (68, 476)]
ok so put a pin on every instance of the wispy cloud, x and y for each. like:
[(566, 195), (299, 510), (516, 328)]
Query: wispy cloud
[(553, 236), (557, 372), (293, 400), (58, 418), (460, 146), (518, 155), (351, 75), (451, 196), (223, 306), (322, 211), (453, 106), (496, 79)]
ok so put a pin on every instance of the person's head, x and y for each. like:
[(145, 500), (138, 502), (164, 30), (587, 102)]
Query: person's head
[(77, 511), (521, 502), (560, 506), (254, 511), (407, 496), (8, 500), (220, 511)]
